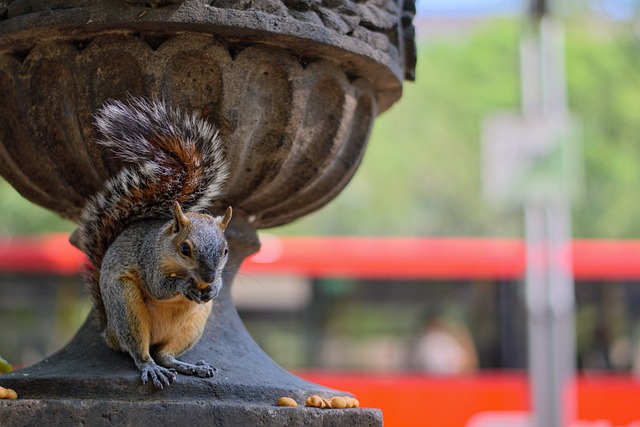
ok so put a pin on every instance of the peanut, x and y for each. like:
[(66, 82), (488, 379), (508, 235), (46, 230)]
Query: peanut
[(3, 393), (11, 394), (326, 404), (349, 400), (352, 402), (338, 402), (315, 402), (202, 286), (287, 401)]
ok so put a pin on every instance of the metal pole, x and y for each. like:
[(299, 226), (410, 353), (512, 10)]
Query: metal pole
[(550, 309), (549, 282)]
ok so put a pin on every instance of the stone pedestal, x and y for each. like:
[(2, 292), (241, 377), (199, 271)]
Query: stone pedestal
[(87, 383), (293, 86)]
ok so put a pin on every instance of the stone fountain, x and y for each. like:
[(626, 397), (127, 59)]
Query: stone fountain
[(293, 86)]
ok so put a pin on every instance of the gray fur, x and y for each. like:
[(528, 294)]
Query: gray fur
[(150, 241), (130, 245)]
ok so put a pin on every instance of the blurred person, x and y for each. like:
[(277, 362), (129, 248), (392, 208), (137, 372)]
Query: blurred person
[(445, 347)]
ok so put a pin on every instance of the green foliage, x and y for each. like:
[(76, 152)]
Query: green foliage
[(19, 216), (422, 175), (603, 68), (5, 366)]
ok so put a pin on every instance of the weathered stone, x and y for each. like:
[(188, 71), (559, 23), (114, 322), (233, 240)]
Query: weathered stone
[(308, 95), (153, 3), (96, 413), (278, 118)]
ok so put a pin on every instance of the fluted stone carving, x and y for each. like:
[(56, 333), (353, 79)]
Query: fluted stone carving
[(293, 106), (294, 134)]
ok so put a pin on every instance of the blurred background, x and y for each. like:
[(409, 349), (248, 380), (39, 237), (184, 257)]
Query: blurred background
[(431, 311)]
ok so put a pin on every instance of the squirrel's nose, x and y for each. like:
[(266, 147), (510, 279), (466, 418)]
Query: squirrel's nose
[(208, 276)]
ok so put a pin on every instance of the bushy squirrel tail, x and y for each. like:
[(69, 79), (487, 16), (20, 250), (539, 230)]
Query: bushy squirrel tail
[(169, 156)]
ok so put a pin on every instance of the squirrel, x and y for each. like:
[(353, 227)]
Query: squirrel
[(153, 268)]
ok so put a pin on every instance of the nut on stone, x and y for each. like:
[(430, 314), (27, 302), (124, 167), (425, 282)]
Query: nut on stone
[(7, 393), (338, 402), (352, 402), (287, 401), (315, 402), (349, 401)]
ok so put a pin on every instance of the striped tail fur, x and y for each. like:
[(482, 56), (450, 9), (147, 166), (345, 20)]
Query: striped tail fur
[(169, 156)]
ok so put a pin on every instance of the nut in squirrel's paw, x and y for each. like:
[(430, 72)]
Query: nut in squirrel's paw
[(201, 286), (7, 393)]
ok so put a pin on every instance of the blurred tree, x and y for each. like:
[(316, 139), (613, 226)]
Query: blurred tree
[(603, 67), (19, 216), (421, 174)]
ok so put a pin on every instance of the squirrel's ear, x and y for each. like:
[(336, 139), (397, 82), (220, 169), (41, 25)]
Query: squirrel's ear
[(180, 220), (225, 220)]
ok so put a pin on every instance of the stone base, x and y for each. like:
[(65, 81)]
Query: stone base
[(74, 412)]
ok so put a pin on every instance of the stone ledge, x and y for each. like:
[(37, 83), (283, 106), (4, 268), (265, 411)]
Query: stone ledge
[(73, 412)]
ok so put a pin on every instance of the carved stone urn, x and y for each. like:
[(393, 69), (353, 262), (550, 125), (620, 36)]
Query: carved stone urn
[(293, 86)]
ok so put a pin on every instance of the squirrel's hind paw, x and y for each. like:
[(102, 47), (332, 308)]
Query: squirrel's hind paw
[(160, 376), (205, 370), (200, 369)]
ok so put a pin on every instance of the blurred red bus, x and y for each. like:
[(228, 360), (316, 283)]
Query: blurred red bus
[(485, 399)]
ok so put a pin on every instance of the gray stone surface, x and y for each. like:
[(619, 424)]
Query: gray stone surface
[(294, 134), (68, 412)]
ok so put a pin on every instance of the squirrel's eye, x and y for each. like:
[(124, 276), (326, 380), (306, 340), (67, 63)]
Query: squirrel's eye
[(185, 249), (226, 251)]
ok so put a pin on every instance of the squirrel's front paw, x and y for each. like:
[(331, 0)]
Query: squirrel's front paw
[(209, 293), (193, 294), (160, 376), (202, 295)]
